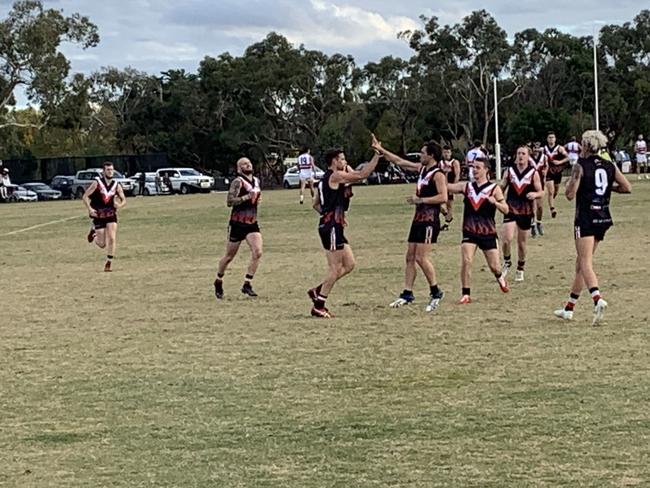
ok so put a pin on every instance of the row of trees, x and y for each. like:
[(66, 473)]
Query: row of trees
[(277, 97)]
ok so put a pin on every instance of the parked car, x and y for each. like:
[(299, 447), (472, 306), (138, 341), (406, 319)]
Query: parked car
[(43, 192), (64, 185), (150, 187), (83, 180), (384, 174), (19, 193), (187, 180), (291, 178)]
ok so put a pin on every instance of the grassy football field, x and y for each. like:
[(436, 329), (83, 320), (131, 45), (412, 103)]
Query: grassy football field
[(141, 378)]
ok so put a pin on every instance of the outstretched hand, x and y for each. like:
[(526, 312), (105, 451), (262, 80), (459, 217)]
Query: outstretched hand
[(412, 200), (375, 144)]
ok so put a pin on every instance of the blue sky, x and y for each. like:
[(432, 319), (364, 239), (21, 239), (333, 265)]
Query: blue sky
[(155, 35)]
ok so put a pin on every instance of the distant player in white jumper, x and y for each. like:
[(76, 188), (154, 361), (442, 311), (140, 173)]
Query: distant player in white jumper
[(573, 150), (641, 151), (306, 167), (476, 152)]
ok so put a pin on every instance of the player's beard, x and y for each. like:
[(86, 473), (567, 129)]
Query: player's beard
[(246, 172)]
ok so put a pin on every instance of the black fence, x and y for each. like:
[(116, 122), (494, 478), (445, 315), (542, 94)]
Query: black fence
[(24, 170)]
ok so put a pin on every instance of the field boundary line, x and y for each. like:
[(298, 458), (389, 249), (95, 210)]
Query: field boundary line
[(37, 226)]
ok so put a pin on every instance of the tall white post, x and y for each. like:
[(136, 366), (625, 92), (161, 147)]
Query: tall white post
[(596, 79), (497, 146)]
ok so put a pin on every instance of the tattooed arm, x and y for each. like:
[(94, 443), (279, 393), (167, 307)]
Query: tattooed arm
[(233, 198), (574, 182)]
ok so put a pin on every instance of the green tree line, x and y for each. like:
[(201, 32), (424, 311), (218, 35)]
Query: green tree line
[(277, 97)]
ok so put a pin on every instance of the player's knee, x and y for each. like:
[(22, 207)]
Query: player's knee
[(421, 259), (257, 254), (349, 266), (410, 256)]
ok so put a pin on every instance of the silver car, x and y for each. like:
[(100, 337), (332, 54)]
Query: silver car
[(291, 178)]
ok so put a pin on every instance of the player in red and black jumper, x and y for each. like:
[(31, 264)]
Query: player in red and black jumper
[(243, 196), (541, 165), (103, 198), (430, 194), (482, 199), (523, 187), (592, 181), (331, 201), (557, 159), (451, 167)]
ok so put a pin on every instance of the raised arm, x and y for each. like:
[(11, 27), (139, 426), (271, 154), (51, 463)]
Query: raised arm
[(574, 182), (353, 176), (394, 158)]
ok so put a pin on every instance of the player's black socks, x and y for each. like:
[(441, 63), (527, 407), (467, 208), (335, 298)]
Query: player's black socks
[(109, 257), (520, 265), (573, 298), (320, 301), (247, 279), (498, 275), (407, 292), (465, 291), (595, 294), (434, 290), (507, 260), (220, 276)]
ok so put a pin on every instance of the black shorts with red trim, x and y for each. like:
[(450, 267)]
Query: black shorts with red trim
[(524, 222), (554, 177), (237, 231), (332, 236), (589, 230), (484, 243), (424, 233)]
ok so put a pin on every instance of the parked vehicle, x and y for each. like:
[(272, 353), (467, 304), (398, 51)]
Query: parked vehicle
[(186, 180), (19, 193), (387, 173), (64, 185), (291, 178), (150, 187), (43, 192), (84, 179)]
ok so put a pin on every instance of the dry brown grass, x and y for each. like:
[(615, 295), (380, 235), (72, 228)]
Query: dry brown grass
[(141, 378)]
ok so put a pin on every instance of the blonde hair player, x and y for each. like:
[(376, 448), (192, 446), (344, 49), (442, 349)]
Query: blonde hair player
[(592, 181)]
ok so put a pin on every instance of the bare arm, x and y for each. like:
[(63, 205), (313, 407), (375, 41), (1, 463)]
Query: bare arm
[(539, 191), (499, 200), (394, 158), (120, 193), (574, 182), (233, 198), (353, 176), (504, 181), (441, 188), (622, 185), (565, 159), (86, 198), (456, 187), (456, 168)]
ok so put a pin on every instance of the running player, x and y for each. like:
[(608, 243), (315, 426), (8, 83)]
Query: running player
[(451, 167), (641, 150), (332, 201), (539, 161), (306, 167), (482, 200), (430, 193), (523, 186), (592, 181), (573, 150), (556, 158), (103, 198), (243, 197)]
